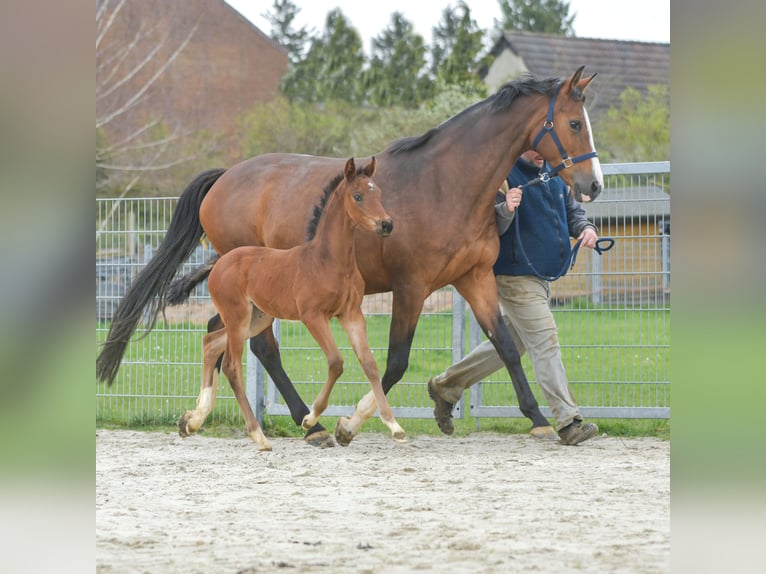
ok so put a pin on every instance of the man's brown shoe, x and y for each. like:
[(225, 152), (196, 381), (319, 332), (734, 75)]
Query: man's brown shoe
[(577, 432), (442, 410)]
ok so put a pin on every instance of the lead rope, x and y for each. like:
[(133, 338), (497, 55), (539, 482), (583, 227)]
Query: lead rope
[(602, 245)]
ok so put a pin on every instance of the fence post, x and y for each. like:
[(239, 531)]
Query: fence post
[(255, 383), (665, 254), (474, 340), (255, 378), (458, 326), (458, 340)]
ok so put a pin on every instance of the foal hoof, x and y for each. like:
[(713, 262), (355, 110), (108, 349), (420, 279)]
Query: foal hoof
[(182, 429), (343, 433), (400, 436), (320, 438)]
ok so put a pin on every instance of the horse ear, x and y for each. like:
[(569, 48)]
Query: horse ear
[(574, 79), (349, 172), (369, 169), (576, 85), (584, 83)]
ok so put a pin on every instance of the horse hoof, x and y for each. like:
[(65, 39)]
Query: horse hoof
[(182, 428), (343, 434), (544, 433), (400, 436), (320, 439)]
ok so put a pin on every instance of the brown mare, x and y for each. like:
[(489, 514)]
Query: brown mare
[(440, 187), (312, 282)]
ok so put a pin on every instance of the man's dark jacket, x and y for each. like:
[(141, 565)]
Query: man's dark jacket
[(547, 215)]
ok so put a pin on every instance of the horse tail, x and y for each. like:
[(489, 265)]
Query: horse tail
[(180, 289), (150, 286)]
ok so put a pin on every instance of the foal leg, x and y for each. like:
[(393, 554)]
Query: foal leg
[(213, 347), (265, 347), (232, 368), (355, 327), (404, 318), (319, 327)]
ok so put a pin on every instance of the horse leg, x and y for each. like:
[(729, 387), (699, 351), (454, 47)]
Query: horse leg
[(480, 291), (266, 348), (213, 346), (319, 327), (232, 368), (355, 327), (405, 312)]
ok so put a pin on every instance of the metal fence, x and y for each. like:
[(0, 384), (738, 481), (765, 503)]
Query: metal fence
[(613, 313)]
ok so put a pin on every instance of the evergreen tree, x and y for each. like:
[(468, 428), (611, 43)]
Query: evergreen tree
[(456, 48), (547, 16), (281, 19), (332, 67), (397, 72)]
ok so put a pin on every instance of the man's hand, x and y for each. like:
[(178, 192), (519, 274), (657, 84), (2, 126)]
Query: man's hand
[(513, 199), (589, 237)]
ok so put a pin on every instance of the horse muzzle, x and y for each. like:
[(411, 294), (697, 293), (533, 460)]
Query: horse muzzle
[(384, 227), (589, 194)]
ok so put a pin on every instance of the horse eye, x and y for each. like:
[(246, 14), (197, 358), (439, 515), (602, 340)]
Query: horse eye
[(357, 197), (576, 125)]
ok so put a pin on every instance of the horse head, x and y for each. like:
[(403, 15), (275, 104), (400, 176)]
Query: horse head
[(566, 140), (363, 199)]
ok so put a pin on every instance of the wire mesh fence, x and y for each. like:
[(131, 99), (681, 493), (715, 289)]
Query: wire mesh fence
[(613, 313)]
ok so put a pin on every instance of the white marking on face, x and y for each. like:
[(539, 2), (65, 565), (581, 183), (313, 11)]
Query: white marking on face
[(596, 165), (371, 185)]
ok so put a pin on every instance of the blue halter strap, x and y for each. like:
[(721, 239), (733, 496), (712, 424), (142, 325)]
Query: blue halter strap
[(548, 128)]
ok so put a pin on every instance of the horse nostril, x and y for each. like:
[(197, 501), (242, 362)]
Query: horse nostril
[(387, 225), (595, 187)]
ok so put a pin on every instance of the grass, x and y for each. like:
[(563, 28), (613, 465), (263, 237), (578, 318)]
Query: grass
[(613, 357)]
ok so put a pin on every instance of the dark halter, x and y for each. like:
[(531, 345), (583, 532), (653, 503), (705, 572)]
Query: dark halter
[(604, 243), (547, 128)]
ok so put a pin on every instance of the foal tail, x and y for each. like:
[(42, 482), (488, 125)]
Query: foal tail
[(149, 289), (180, 289)]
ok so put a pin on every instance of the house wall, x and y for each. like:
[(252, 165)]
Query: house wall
[(632, 271), (507, 66), (227, 67)]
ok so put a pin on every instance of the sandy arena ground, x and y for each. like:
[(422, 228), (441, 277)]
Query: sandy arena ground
[(483, 503)]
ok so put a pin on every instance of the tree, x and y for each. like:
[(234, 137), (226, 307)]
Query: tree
[(340, 129), (397, 72), (546, 16), (332, 67), (281, 19), (638, 129), (457, 43), (324, 129)]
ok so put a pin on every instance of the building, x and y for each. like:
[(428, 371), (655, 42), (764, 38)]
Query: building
[(619, 64), (186, 67)]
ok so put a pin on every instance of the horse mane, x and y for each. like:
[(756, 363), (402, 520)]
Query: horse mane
[(331, 186), (501, 100)]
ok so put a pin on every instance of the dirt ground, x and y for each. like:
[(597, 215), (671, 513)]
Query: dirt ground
[(482, 503)]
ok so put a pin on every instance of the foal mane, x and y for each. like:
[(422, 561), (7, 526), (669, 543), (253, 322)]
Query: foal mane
[(499, 101), (331, 186)]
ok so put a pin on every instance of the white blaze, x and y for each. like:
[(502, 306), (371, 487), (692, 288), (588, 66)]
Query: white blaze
[(595, 164)]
